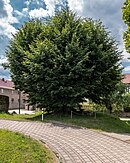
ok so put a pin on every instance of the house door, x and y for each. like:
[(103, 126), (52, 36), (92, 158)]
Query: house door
[(4, 103)]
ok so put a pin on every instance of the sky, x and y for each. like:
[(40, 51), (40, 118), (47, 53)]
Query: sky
[(14, 13)]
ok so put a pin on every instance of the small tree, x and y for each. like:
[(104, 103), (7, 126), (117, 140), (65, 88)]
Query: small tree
[(126, 18), (126, 102), (64, 60), (118, 97)]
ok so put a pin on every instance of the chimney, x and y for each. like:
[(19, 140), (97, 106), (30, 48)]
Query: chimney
[(3, 79)]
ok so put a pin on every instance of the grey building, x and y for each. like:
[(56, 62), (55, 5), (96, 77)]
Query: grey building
[(16, 98)]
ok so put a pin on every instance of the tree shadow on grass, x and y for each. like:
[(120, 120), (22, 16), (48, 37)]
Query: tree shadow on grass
[(34, 118), (102, 122)]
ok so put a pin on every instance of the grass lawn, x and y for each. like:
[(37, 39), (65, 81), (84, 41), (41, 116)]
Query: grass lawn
[(20, 116), (102, 122), (17, 148)]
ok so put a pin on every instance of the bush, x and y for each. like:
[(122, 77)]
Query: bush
[(127, 109)]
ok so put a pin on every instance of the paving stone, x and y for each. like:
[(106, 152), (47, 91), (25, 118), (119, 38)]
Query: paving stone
[(75, 145)]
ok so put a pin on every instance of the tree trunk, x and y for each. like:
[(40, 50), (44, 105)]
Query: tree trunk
[(108, 106)]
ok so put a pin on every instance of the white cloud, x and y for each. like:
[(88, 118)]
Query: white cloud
[(38, 13), (76, 5), (27, 2), (25, 10), (4, 73), (6, 27), (18, 13), (125, 60), (109, 12), (3, 12), (122, 47), (10, 18), (125, 54), (126, 69), (50, 6), (3, 60)]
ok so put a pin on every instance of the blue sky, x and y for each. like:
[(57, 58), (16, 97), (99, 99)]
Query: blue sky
[(13, 14)]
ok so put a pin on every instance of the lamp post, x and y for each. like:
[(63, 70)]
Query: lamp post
[(42, 114), (19, 95), (43, 109)]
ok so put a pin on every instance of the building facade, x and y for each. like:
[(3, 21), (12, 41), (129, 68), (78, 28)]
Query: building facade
[(17, 99), (126, 81)]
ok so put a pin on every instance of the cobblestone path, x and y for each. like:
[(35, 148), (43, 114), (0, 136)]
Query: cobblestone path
[(74, 145)]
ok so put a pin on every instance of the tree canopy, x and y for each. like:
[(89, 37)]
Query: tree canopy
[(126, 18), (64, 60)]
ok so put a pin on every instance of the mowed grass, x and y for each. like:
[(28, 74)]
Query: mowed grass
[(102, 122), (20, 116), (17, 148)]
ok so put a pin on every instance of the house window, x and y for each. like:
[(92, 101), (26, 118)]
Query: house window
[(127, 89), (12, 100), (24, 100), (2, 91)]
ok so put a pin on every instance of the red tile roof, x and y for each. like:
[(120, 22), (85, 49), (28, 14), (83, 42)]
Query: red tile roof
[(6, 84), (126, 78)]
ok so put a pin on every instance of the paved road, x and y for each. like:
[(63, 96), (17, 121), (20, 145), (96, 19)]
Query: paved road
[(74, 145)]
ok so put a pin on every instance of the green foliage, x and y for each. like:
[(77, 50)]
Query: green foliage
[(118, 97), (15, 147), (126, 104), (63, 60), (118, 100), (126, 18)]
